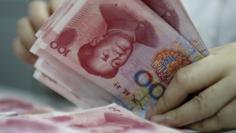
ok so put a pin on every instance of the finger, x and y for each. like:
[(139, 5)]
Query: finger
[(208, 125), (188, 80), (224, 120), (203, 106), (25, 32), (55, 4), (22, 53), (38, 13)]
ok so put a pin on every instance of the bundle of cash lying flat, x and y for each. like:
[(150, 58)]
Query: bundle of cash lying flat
[(107, 119)]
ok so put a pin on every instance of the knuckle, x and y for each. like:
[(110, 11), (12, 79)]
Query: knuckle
[(21, 22), (38, 10), (36, 3), (55, 3), (181, 77), (204, 109), (199, 104), (163, 105), (32, 4)]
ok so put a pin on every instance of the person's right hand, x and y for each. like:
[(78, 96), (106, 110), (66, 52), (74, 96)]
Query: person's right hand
[(211, 81), (38, 13)]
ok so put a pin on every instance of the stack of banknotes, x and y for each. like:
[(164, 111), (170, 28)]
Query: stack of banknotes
[(18, 115), (96, 52)]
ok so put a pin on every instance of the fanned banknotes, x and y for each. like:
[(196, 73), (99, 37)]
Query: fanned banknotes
[(173, 12), (107, 119), (129, 49)]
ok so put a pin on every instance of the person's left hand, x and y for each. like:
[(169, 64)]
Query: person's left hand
[(214, 108), (38, 13)]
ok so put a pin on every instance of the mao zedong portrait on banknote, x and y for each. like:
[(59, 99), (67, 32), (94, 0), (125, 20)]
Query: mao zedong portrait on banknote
[(121, 46), (104, 55)]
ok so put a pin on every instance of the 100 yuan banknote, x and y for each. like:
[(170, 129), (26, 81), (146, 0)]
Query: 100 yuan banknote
[(78, 89), (173, 12), (108, 119), (81, 91), (122, 46), (56, 16)]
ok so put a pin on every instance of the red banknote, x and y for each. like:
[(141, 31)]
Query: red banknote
[(109, 119), (127, 48)]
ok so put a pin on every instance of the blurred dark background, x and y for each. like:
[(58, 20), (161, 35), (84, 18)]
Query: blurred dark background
[(15, 75), (13, 72)]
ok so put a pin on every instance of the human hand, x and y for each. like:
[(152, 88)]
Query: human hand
[(214, 108), (38, 13)]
